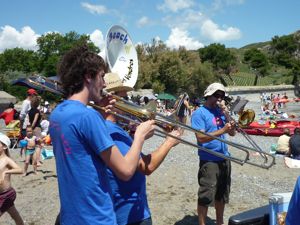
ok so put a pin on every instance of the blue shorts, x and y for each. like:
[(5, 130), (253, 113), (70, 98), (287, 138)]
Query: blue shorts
[(30, 151)]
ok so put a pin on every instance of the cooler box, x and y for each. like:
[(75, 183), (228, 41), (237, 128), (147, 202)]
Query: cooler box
[(278, 202), (257, 216)]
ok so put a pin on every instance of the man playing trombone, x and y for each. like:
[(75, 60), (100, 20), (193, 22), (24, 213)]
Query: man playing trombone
[(214, 175), (82, 146), (129, 197)]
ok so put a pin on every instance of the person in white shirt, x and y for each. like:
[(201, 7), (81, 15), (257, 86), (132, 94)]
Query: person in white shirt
[(44, 125), (46, 108), (26, 105)]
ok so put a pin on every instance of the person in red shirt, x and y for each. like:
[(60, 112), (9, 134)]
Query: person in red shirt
[(8, 114)]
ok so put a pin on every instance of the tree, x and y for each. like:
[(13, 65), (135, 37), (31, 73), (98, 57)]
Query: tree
[(201, 76), (172, 71), (18, 59), (53, 45), (257, 62), (285, 51), (223, 60)]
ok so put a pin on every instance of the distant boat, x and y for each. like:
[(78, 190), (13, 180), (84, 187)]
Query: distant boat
[(271, 129)]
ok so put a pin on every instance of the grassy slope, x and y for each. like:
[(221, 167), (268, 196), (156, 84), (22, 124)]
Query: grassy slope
[(245, 76)]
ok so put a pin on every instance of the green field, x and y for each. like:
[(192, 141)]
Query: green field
[(248, 79)]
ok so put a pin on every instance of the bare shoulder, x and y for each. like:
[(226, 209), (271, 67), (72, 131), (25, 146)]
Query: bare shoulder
[(7, 162), (4, 161)]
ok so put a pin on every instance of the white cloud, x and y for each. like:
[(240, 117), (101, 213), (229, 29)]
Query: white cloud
[(11, 38), (175, 5), (143, 21), (188, 20), (157, 38), (219, 4), (94, 9), (98, 39), (212, 31), (179, 37), (196, 21)]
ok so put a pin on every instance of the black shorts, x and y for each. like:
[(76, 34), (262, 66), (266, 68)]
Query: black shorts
[(214, 179)]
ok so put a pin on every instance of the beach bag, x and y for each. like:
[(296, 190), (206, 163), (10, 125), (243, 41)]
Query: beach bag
[(47, 154)]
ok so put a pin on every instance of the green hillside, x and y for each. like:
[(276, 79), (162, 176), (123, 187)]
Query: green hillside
[(279, 71)]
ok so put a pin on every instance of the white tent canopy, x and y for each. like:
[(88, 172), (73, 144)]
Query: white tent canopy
[(149, 96), (5, 99)]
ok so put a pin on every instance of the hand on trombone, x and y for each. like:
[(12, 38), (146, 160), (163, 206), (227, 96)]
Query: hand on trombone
[(105, 103), (145, 130), (230, 128), (171, 141)]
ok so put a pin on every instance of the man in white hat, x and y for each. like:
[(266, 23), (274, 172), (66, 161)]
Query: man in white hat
[(214, 175), (129, 198)]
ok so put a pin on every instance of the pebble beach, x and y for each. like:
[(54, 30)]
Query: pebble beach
[(172, 189)]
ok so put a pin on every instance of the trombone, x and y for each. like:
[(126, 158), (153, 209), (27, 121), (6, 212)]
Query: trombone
[(245, 118), (144, 114)]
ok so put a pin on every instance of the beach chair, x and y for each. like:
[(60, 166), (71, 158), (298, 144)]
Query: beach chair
[(13, 131)]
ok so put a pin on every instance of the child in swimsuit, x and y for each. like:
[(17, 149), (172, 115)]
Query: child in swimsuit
[(7, 192), (30, 150)]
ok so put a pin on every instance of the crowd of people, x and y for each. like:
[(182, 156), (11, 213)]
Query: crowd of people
[(274, 105), (32, 126), (101, 170)]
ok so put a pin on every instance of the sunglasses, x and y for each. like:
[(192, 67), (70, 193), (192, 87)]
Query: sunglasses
[(217, 95)]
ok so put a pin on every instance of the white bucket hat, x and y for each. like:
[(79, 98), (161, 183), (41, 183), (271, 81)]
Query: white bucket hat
[(114, 83), (5, 140), (212, 88)]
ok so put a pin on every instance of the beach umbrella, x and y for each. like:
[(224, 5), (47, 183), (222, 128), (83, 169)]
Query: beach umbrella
[(39, 83), (149, 96), (166, 96)]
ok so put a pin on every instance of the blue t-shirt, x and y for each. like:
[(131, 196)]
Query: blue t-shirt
[(129, 197), (78, 136), (293, 213), (210, 120)]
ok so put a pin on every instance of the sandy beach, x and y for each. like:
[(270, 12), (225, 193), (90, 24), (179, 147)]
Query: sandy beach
[(172, 189)]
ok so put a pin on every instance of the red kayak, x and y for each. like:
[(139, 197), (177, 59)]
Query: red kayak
[(269, 129), (284, 100)]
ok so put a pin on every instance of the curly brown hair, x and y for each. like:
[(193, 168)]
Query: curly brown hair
[(35, 101), (74, 65)]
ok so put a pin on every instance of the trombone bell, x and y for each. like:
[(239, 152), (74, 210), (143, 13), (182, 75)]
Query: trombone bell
[(246, 117)]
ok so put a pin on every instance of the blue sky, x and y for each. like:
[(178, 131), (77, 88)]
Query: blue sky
[(189, 23)]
